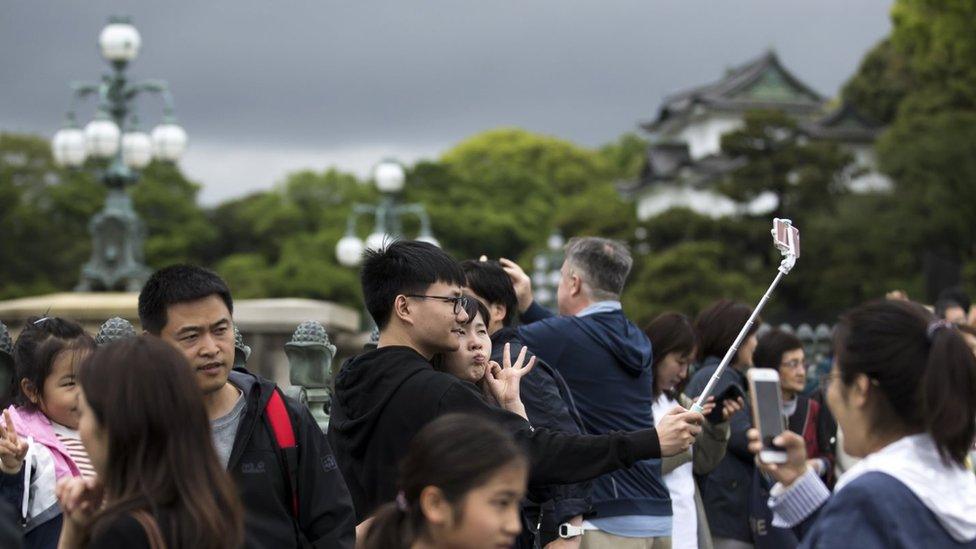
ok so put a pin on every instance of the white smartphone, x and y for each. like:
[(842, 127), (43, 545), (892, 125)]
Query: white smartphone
[(786, 237), (767, 411)]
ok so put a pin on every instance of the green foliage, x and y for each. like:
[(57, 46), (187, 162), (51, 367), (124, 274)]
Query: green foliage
[(501, 192), (803, 175), (42, 210), (625, 156), (687, 277), (566, 167), (932, 158), (880, 83), (859, 253), (937, 39), (177, 229)]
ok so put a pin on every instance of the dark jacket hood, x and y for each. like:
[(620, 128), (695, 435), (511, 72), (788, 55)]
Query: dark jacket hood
[(620, 337), (364, 385)]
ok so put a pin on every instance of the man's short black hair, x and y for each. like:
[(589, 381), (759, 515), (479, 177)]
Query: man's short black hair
[(403, 267), (177, 284), (490, 282)]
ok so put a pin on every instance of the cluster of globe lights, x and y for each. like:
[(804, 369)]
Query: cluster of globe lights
[(102, 137), (390, 179)]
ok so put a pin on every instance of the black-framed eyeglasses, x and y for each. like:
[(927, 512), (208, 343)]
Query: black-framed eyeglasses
[(460, 302)]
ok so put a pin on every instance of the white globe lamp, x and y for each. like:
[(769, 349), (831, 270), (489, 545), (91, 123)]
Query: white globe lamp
[(136, 150), (555, 241), (349, 251), (429, 238), (376, 241), (102, 137), (119, 42), (68, 147), (389, 177), (168, 141)]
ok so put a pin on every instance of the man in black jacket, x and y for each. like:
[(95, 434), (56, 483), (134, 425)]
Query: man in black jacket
[(190, 308), (547, 399), (383, 397)]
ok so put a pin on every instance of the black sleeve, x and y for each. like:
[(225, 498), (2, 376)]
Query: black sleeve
[(123, 531), (12, 488), (11, 534), (560, 458), (548, 409), (739, 425), (326, 515)]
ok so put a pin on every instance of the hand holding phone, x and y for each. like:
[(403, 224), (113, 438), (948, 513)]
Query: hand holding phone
[(767, 412), (732, 392), (796, 456)]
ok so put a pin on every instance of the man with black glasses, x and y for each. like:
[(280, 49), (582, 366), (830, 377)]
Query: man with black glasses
[(384, 396)]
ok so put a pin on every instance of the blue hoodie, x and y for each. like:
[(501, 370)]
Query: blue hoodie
[(606, 361)]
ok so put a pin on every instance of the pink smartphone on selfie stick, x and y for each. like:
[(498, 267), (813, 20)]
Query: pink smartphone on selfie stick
[(786, 238)]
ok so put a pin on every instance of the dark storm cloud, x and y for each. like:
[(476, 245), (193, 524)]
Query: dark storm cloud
[(328, 75)]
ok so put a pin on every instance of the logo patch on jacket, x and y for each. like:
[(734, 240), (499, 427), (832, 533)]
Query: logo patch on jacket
[(329, 463), (253, 468)]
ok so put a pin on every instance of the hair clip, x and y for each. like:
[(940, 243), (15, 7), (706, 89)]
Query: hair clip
[(39, 320), (401, 502), (937, 325)]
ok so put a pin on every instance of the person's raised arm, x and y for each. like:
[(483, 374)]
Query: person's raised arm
[(520, 282)]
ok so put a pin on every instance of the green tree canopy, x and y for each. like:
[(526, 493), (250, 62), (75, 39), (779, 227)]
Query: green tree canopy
[(802, 174)]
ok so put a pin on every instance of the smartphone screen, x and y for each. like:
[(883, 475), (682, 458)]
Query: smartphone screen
[(782, 238), (768, 413)]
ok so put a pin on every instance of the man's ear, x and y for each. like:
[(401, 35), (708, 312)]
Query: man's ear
[(30, 391), (401, 309), (435, 507), (498, 312), (575, 284)]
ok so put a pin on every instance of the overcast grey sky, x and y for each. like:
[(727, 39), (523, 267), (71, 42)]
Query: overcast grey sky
[(264, 88)]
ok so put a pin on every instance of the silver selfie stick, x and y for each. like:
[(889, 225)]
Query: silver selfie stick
[(788, 245)]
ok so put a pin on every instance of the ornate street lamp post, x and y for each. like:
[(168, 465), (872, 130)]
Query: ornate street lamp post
[(387, 217), (117, 233), (546, 273)]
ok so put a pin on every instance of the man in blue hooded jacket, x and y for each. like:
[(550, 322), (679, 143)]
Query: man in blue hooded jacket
[(606, 361)]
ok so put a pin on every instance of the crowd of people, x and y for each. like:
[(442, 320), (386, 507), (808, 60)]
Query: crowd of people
[(481, 419)]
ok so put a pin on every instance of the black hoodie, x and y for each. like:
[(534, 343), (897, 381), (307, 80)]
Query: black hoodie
[(383, 397)]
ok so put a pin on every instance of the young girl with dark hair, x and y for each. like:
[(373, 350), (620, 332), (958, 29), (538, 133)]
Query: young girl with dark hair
[(903, 390), (675, 343), (460, 487), (39, 440), (159, 482)]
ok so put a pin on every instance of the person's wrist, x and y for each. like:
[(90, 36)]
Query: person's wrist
[(11, 469), (797, 475)]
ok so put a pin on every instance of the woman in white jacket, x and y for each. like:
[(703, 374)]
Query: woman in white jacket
[(675, 343)]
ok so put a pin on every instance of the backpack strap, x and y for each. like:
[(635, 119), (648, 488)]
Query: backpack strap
[(284, 434)]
